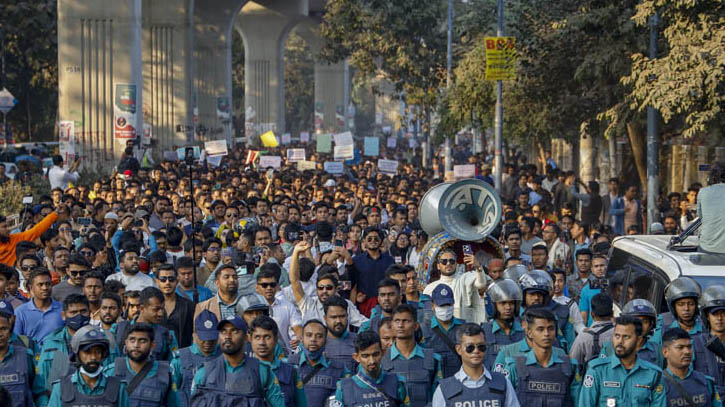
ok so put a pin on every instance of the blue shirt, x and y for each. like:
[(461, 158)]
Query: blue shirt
[(36, 324), (204, 293), (585, 302), (367, 272)]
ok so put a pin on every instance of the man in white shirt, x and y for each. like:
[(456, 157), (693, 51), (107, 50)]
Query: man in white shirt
[(559, 277), (58, 177), (129, 274), (284, 313)]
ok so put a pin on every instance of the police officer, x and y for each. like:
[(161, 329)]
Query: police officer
[(473, 384), (234, 378), (537, 288), (6, 307), (709, 349), (319, 374), (151, 312), (440, 333), (204, 348), (340, 341), (682, 295), (250, 307), (539, 376), (89, 385), (388, 298), (16, 366), (648, 349), (683, 385), (623, 379), (420, 367), (54, 359), (588, 345), (264, 336), (151, 383), (503, 327), (371, 386), (515, 272)]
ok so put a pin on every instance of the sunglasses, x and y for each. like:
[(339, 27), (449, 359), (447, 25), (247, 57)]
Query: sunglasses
[(27, 268), (76, 273), (86, 253), (326, 287), (372, 239), (269, 285), (170, 279), (447, 261), (480, 346)]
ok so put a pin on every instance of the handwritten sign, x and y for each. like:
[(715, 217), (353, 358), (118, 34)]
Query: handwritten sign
[(266, 161), (388, 166), (333, 167), (304, 137), (464, 171), (295, 154), (306, 165), (286, 138), (392, 142), (344, 139)]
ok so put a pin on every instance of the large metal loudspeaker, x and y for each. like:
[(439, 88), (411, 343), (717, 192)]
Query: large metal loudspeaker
[(468, 210)]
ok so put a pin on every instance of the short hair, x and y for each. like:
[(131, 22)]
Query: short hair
[(583, 252), (366, 339), (388, 282), (38, 272), (539, 246), (174, 236), (555, 227), (210, 241), (630, 320), (600, 256), (314, 321), (384, 322), (48, 235), (394, 269), (90, 275), (165, 267), (406, 308), (74, 299), (150, 292), (114, 286), (674, 334), (79, 260), (468, 329), (110, 295), (184, 262), (512, 231), (334, 301), (139, 327), (307, 269), (538, 312), (269, 270), (265, 322), (602, 306), (328, 276)]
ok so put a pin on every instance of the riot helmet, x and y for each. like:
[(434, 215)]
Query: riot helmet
[(88, 336), (537, 281), (712, 299), (503, 290), (515, 272), (640, 307), (682, 287)]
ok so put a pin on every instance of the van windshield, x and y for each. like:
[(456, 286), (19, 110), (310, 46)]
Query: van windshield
[(706, 281)]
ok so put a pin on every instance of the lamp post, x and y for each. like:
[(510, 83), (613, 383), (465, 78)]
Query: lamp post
[(498, 122), (653, 183), (447, 144)]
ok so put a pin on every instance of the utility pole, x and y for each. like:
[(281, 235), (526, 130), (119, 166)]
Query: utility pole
[(447, 146), (653, 182), (498, 159)]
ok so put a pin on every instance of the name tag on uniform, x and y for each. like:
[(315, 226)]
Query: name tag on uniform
[(611, 402), (544, 387), (612, 384)]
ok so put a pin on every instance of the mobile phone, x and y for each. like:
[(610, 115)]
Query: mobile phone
[(345, 285), (338, 243), (84, 221), (467, 249), (27, 200), (325, 247)]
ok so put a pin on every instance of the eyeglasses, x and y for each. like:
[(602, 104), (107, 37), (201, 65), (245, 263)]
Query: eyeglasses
[(86, 253), (27, 268), (447, 261), (270, 285), (326, 287), (170, 279), (213, 249), (480, 346), (76, 273), (372, 239)]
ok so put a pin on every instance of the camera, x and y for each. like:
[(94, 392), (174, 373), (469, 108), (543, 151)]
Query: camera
[(601, 283)]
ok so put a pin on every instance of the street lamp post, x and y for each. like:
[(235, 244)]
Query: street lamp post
[(447, 143), (652, 139), (498, 160)]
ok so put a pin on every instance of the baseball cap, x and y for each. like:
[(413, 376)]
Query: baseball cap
[(6, 308), (206, 326), (235, 320), (252, 302), (657, 229), (111, 215), (443, 295)]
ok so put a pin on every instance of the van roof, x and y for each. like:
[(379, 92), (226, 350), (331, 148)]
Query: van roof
[(685, 259)]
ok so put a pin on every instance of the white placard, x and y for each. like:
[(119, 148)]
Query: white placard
[(387, 129), (464, 171), (214, 161), (147, 134), (344, 139), (295, 154), (333, 167), (344, 152), (392, 142), (305, 137), (306, 165), (266, 161), (388, 166), (216, 148), (412, 143), (286, 138)]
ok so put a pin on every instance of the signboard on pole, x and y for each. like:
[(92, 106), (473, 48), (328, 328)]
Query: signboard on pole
[(7, 101), (216, 148), (124, 112), (500, 58)]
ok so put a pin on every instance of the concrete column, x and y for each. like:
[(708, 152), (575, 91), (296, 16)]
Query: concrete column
[(264, 27), (690, 165), (587, 153), (676, 170), (702, 158), (99, 47), (719, 155)]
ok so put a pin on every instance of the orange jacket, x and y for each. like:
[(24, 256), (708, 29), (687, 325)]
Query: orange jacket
[(7, 250)]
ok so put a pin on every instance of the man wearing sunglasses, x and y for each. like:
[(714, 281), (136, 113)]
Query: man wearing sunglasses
[(179, 310), (284, 313), (368, 269), (78, 266), (473, 384)]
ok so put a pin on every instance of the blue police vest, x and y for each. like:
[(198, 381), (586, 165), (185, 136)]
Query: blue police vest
[(355, 396), (287, 377), (494, 342), (14, 376), (190, 363), (540, 386), (696, 388), (323, 384), (342, 350), (71, 397), (708, 363), (162, 337), (223, 389), (419, 374), (451, 361), (152, 391), (492, 393)]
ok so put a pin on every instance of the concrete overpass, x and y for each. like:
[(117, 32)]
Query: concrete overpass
[(167, 64)]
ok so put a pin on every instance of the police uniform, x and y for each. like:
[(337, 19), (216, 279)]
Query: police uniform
[(700, 390), (667, 321), (565, 333), (187, 361), (290, 382), (608, 384), (356, 391), (372, 324), (323, 382), (26, 342), (517, 349), (341, 349), (158, 388), (72, 391), (650, 352), (219, 384), (557, 384), (451, 362), (422, 371), (165, 343), (708, 363), (492, 389), (496, 339), (17, 372)]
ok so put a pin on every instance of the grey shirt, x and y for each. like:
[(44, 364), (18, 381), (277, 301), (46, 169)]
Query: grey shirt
[(582, 348), (709, 208), (64, 289)]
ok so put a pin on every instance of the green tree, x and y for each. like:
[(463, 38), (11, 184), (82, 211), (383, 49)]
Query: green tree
[(299, 69)]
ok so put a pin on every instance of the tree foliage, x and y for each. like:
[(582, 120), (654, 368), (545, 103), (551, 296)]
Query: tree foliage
[(299, 85)]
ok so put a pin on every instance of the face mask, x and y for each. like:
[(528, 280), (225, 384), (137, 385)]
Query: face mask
[(91, 375), (316, 355), (77, 322), (444, 313)]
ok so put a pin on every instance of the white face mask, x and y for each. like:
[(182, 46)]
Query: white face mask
[(92, 375), (444, 313)]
